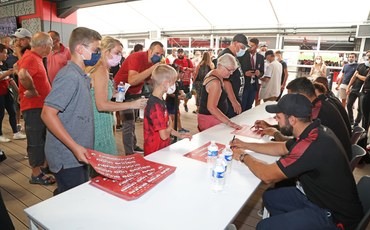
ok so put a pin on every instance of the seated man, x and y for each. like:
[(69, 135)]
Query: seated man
[(326, 195)]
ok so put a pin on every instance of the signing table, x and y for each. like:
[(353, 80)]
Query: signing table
[(184, 200)]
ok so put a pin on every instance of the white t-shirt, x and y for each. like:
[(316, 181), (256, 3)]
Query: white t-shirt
[(272, 87)]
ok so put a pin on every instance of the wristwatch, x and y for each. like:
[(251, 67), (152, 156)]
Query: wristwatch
[(241, 157)]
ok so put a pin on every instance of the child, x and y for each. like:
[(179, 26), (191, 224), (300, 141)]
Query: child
[(157, 124), (68, 113), (172, 104)]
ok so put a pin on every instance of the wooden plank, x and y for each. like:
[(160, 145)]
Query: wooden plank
[(14, 206), (22, 183), (18, 225)]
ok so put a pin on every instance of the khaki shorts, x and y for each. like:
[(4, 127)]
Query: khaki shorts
[(342, 91)]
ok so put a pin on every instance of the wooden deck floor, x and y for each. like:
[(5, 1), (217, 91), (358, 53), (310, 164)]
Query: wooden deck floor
[(19, 194)]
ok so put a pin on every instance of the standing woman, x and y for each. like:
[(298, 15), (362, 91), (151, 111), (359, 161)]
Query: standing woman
[(201, 71), (6, 98), (213, 101), (318, 69), (102, 92)]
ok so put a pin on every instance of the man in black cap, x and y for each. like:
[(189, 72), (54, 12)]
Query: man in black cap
[(326, 195), (234, 85)]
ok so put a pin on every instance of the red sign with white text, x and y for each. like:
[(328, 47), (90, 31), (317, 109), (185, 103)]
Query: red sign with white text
[(128, 177), (201, 153)]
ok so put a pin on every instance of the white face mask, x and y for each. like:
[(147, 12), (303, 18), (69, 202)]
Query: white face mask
[(115, 60), (171, 89), (318, 61)]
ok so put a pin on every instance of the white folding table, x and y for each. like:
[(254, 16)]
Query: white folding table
[(184, 200)]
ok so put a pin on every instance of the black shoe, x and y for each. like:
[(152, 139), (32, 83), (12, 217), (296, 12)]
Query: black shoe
[(138, 149)]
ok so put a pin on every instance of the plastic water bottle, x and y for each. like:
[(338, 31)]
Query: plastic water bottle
[(227, 154), (121, 92), (141, 111), (218, 175), (212, 155)]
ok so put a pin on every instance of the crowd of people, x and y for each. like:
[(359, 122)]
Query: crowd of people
[(65, 98)]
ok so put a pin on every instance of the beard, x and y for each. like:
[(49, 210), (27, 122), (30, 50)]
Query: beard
[(287, 130)]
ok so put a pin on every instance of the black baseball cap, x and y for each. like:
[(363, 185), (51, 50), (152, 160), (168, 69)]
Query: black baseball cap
[(292, 104), (181, 50), (242, 39)]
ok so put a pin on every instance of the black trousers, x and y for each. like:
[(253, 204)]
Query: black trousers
[(351, 100)]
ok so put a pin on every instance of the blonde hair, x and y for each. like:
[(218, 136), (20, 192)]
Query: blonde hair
[(227, 60), (108, 43), (163, 72)]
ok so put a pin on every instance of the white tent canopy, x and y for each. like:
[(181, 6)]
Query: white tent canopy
[(177, 15)]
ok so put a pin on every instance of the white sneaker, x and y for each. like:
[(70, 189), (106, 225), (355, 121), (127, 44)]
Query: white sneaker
[(19, 136), (4, 139)]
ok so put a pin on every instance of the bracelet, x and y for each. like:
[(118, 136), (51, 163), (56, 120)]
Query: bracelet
[(242, 156)]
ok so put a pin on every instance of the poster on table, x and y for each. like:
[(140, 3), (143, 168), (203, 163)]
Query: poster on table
[(201, 153), (128, 177)]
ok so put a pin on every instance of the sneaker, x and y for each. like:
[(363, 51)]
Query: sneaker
[(138, 149), (4, 139), (19, 136), (260, 213), (186, 108)]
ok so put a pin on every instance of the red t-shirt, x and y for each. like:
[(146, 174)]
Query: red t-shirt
[(155, 119), (138, 62), (4, 85), (32, 62), (187, 73)]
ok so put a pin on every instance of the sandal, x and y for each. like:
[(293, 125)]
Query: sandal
[(42, 179)]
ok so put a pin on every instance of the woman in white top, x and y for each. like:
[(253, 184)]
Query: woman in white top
[(318, 69)]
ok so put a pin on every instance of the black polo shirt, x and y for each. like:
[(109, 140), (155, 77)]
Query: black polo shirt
[(338, 105), (319, 162), (331, 118)]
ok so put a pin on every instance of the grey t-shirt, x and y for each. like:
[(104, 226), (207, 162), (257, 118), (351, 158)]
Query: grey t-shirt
[(71, 96)]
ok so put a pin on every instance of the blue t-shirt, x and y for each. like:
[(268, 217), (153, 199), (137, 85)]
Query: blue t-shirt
[(348, 71)]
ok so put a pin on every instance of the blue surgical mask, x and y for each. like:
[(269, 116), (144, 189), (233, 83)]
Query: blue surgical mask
[(94, 59), (156, 58), (240, 53)]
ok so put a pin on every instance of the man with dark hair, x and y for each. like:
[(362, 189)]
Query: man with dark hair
[(253, 66), (235, 84), (324, 110), (68, 113), (135, 70), (325, 196), (348, 70), (271, 80), (335, 101), (284, 74), (58, 57), (353, 90), (138, 48)]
